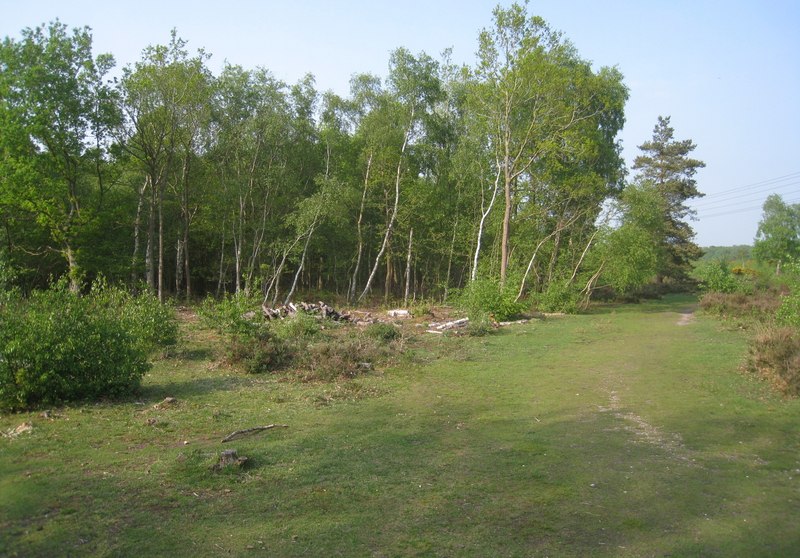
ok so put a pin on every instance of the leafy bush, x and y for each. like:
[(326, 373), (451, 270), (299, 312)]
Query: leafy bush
[(558, 298), (758, 307), (232, 314), (789, 311), (261, 351), (299, 326), (343, 357), (257, 344), (317, 349), (381, 332), (479, 327), (7, 273), (151, 323), (775, 355), (483, 297), (714, 276), (422, 308), (58, 346)]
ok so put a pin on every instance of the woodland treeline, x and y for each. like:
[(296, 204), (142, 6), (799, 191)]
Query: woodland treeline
[(508, 171)]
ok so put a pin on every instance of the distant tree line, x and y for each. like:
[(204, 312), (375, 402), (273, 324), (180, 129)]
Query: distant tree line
[(189, 183)]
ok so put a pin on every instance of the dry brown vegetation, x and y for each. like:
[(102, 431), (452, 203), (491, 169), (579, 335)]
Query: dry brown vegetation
[(774, 354)]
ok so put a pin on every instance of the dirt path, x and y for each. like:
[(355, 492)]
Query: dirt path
[(687, 317), (645, 432)]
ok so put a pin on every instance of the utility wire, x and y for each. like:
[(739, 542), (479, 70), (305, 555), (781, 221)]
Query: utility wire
[(761, 183), (721, 204), (755, 193), (742, 210)]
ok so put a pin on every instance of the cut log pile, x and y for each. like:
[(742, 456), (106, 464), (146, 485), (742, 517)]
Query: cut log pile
[(441, 327), (324, 310), (316, 309), (362, 318)]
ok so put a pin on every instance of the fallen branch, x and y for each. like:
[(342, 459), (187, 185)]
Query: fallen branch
[(449, 325), (455, 324), (240, 433), (515, 322)]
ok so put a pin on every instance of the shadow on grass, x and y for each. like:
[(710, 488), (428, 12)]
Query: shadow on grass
[(194, 354), (496, 457), (678, 303), (193, 387), (404, 478), (564, 486)]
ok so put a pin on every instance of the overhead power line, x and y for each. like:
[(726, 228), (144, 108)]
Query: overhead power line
[(749, 198), (741, 210), (757, 193), (753, 186)]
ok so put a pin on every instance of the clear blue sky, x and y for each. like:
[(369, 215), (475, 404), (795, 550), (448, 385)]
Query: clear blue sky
[(728, 73)]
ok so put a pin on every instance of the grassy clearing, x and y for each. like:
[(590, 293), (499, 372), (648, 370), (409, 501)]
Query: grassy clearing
[(617, 433)]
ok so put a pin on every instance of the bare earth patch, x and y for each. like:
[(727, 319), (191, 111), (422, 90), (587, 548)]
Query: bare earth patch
[(686, 318), (643, 431)]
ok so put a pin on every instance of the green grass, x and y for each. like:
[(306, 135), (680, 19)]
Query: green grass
[(616, 433)]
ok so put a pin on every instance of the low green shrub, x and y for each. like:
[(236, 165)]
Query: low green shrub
[(715, 276), (342, 357), (758, 307), (299, 326), (774, 354), (558, 297), (422, 308), (383, 333), (316, 349), (789, 311), (232, 314), (480, 326), (152, 323), (258, 345), (484, 297), (57, 346), (260, 351)]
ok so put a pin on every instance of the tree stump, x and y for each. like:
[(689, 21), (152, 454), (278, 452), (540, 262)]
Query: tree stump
[(229, 458)]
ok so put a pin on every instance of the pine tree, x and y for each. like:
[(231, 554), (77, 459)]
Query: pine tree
[(665, 163)]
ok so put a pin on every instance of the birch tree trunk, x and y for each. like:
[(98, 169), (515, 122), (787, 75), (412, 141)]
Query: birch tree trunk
[(484, 215), (151, 234), (390, 227), (137, 222), (354, 282), (178, 268), (220, 279), (506, 220), (302, 263), (160, 245), (408, 266)]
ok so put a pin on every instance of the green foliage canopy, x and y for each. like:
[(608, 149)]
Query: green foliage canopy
[(778, 236)]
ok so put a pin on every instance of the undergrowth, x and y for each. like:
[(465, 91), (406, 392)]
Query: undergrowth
[(743, 308), (774, 354), (57, 345), (773, 311), (304, 346)]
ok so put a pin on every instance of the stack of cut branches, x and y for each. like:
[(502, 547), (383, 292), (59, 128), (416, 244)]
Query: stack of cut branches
[(446, 326), (315, 309)]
